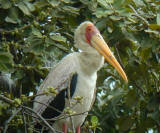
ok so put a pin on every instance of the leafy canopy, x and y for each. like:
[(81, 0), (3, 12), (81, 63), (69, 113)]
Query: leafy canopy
[(36, 34)]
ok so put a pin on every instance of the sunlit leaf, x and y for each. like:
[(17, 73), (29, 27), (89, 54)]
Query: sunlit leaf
[(23, 8), (58, 37), (94, 121), (10, 20), (54, 3), (103, 3), (30, 6)]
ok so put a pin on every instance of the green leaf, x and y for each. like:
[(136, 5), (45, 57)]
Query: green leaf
[(10, 20), (13, 16), (131, 98), (67, 1), (36, 32), (154, 26), (71, 9), (120, 4), (40, 4), (5, 4), (152, 31), (3, 106), (103, 3), (58, 37), (110, 1), (148, 123), (51, 45), (36, 44), (5, 57), (19, 74), (3, 67), (100, 12), (115, 18), (139, 3), (23, 8), (125, 123), (30, 6), (94, 121), (54, 3)]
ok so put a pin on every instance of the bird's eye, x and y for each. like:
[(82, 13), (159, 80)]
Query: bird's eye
[(89, 29)]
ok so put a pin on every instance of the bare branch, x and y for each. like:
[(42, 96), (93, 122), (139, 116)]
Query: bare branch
[(48, 106), (120, 61), (41, 94), (6, 99), (29, 109), (10, 31), (24, 120), (66, 116), (37, 114), (9, 120), (138, 15)]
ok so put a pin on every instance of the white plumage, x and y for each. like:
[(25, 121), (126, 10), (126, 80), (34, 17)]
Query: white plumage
[(85, 64)]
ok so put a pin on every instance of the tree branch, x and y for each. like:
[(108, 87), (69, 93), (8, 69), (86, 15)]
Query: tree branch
[(120, 61), (138, 15), (24, 120), (29, 109), (9, 120)]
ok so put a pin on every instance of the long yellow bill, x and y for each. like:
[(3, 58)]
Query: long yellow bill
[(98, 42)]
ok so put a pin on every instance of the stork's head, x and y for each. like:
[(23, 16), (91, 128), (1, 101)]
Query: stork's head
[(88, 38)]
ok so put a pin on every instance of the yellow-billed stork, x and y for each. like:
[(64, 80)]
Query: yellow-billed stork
[(77, 72)]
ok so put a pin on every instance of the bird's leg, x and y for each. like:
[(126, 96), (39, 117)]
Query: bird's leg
[(64, 128), (78, 130)]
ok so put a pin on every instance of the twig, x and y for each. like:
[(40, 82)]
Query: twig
[(9, 120), (29, 109), (6, 99), (10, 31), (139, 87), (45, 122), (48, 106), (41, 94), (30, 114), (138, 15), (42, 129), (24, 120), (120, 61), (66, 116)]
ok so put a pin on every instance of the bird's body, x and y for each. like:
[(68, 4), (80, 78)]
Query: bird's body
[(77, 72), (84, 89)]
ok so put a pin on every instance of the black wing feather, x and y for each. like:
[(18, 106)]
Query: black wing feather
[(73, 85), (58, 104), (59, 101)]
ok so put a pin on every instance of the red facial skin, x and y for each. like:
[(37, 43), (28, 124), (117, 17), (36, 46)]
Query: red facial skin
[(90, 31)]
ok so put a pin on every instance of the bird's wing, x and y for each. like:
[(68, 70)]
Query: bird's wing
[(58, 78)]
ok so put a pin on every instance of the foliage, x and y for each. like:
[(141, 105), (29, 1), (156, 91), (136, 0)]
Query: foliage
[(36, 34)]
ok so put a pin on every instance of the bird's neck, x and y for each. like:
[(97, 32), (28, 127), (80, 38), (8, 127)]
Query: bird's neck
[(90, 62)]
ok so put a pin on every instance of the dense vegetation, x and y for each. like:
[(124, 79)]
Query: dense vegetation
[(36, 34)]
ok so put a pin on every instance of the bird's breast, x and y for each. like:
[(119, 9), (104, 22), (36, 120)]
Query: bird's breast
[(85, 89)]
